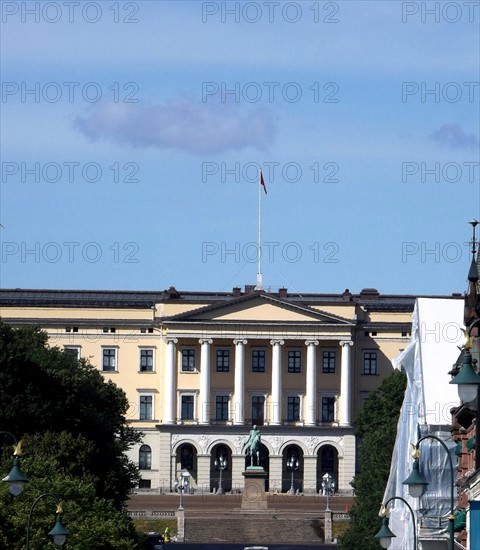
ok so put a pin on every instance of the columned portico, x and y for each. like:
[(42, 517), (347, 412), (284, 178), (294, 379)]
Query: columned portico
[(276, 405), (239, 382), (311, 383), (170, 391), (345, 383), (204, 397)]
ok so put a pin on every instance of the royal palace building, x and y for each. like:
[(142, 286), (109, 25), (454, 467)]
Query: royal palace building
[(200, 368)]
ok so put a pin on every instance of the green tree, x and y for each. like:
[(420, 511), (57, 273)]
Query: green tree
[(45, 389), (376, 429), (75, 436), (94, 522)]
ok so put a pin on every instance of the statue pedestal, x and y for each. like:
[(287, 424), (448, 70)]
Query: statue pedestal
[(253, 496)]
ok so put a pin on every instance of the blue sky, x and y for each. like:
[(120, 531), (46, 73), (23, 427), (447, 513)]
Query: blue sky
[(131, 135)]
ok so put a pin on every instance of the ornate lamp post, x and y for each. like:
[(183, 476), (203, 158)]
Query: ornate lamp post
[(417, 483), (15, 478), (328, 486), (59, 531), (385, 535), (220, 464), (292, 466), (467, 378), (180, 487), (468, 382)]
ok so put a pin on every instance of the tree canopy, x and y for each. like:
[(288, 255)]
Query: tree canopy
[(75, 434), (376, 428)]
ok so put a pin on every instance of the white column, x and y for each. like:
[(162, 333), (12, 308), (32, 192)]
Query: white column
[(239, 382), (345, 384), (310, 475), (169, 389), (204, 397), (275, 473), (311, 383), (276, 405), (203, 473), (238, 466)]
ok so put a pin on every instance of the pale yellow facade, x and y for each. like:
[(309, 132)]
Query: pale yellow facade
[(199, 369)]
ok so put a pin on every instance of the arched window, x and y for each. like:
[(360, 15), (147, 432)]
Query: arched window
[(329, 455), (186, 457), (145, 458)]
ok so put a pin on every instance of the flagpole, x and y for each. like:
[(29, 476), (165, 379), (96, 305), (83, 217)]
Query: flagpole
[(259, 285)]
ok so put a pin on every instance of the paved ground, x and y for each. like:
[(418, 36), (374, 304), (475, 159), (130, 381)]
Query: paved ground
[(214, 504), (243, 546)]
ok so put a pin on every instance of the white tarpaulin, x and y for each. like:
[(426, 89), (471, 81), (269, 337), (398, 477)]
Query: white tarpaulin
[(434, 348)]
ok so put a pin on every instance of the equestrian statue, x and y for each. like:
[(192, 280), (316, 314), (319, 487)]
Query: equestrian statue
[(252, 445)]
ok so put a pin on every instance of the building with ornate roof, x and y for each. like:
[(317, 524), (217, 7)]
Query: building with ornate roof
[(200, 368)]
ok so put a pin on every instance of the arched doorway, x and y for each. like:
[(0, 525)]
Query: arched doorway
[(327, 463), (186, 465), (292, 469), (221, 466)]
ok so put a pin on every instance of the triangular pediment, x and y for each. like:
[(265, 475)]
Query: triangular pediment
[(258, 307)]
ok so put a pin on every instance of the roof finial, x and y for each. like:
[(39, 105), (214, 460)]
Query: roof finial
[(473, 272)]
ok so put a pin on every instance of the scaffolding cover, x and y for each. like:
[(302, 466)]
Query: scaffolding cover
[(436, 337)]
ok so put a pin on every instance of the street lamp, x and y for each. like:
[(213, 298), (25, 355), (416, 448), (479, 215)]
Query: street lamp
[(180, 486), (292, 466), (417, 483), (15, 478), (385, 535), (469, 386), (467, 379), (220, 464), (59, 531), (328, 486)]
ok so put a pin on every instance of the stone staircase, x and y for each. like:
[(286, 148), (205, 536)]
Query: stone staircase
[(255, 528)]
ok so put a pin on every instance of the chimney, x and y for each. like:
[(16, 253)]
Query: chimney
[(347, 295), (369, 294), (283, 292), (236, 292), (173, 293)]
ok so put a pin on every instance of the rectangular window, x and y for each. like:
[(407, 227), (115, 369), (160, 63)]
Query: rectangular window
[(109, 359), (223, 360), (293, 409), (258, 360), (328, 362), (146, 360), (328, 409), (294, 361), (74, 351), (258, 409), (188, 360), (188, 402), (146, 407), (221, 407), (370, 362)]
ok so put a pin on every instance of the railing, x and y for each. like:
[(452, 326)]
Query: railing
[(151, 513), (339, 516)]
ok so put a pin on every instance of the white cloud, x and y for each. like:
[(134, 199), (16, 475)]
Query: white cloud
[(180, 124)]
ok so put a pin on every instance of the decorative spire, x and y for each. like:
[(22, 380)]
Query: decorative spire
[(473, 272), (472, 303)]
